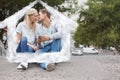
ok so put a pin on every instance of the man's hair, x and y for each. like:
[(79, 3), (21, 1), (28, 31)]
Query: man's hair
[(45, 11)]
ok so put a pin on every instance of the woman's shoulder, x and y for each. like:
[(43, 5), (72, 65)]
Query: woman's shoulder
[(22, 23)]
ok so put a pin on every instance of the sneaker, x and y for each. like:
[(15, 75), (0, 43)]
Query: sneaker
[(50, 67), (21, 67)]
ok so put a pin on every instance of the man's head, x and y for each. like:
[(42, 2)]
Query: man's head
[(43, 14)]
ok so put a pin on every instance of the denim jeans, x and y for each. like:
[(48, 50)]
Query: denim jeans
[(55, 46), (23, 47)]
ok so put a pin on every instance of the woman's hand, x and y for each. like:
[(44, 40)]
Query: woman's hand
[(18, 38), (18, 41), (35, 47)]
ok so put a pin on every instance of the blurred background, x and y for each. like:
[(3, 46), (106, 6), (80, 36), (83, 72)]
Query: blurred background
[(98, 20)]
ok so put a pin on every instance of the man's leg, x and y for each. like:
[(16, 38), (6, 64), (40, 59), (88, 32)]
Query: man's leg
[(42, 51), (46, 66), (56, 45)]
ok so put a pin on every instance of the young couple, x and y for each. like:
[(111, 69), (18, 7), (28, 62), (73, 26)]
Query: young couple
[(46, 33)]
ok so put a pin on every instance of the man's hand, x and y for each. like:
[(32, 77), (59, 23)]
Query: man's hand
[(44, 38)]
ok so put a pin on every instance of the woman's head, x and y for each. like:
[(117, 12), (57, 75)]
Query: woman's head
[(31, 17)]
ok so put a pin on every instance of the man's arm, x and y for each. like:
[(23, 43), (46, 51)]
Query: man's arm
[(58, 33)]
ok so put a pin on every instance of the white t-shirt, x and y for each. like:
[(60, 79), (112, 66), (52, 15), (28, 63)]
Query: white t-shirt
[(23, 29)]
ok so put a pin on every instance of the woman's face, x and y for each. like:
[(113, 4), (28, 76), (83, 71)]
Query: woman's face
[(34, 17)]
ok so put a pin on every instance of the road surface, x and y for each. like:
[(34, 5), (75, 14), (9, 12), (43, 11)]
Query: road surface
[(86, 67)]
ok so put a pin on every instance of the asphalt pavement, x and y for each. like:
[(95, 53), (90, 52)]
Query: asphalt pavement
[(86, 67)]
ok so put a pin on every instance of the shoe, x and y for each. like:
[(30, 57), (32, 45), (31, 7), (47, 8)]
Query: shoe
[(21, 67), (50, 67), (56, 63)]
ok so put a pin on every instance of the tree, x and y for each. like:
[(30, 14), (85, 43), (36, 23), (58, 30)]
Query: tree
[(99, 24), (9, 7), (70, 7)]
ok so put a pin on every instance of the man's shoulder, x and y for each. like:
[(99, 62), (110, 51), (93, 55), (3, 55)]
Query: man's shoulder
[(56, 24)]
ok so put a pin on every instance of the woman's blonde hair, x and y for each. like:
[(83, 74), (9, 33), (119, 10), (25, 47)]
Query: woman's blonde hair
[(27, 18)]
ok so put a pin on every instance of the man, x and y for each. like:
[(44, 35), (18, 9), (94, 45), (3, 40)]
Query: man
[(50, 34)]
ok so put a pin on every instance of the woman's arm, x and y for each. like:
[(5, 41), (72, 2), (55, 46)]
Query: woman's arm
[(35, 47), (18, 37)]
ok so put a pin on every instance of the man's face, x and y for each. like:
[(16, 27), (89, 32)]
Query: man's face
[(41, 17)]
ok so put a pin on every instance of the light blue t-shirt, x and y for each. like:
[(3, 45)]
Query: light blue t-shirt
[(23, 29), (54, 31)]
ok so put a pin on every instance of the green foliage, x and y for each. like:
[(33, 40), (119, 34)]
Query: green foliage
[(53, 2), (72, 7), (99, 24), (9, 7)]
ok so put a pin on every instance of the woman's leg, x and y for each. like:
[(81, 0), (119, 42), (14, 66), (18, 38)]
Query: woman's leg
[(22, 46), (30, 49), (18, 48)]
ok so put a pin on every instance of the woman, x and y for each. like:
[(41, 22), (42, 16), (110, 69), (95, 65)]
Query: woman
[(26, 32), (26, 35)]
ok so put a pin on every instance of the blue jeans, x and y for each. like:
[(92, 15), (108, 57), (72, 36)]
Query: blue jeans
[(23, 47), (55, 46)]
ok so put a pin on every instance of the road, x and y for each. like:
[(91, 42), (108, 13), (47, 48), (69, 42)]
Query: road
[(86, 67)]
